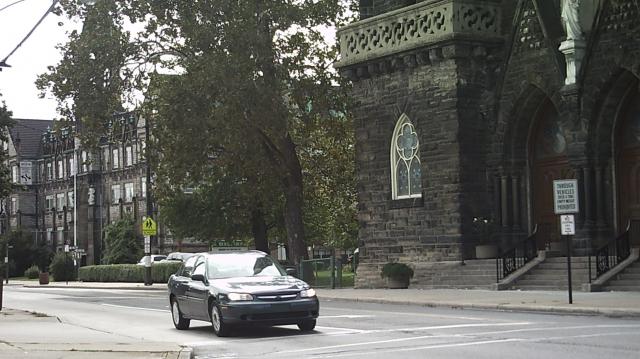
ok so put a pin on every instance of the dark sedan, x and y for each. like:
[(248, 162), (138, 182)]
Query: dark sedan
[(239, 288)]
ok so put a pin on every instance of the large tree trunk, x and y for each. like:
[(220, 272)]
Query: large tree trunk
[(259, 229), (293, 209)]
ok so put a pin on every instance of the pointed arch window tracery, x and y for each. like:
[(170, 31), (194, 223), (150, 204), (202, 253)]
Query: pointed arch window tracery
[(406, 172)]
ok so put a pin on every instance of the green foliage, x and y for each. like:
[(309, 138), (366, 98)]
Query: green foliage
[(24, 252), (32, 272), (257, 120), (398, 271), (160, 272), (121, 243), (62, 268), (6, 122)]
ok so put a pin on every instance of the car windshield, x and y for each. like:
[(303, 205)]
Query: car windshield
[(242, 265)]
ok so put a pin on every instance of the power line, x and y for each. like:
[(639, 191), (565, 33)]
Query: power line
[(3, 63), (10, 5)]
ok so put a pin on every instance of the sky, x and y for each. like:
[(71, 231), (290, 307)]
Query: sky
[(17, 83)]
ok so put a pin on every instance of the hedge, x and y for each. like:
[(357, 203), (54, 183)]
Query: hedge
[(160, 272)]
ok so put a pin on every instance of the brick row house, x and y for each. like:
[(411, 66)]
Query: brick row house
[(468, 110)]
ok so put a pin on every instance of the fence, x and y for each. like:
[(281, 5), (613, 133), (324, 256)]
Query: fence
[(326, 273)]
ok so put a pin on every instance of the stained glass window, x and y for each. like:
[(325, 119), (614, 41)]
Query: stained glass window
[(405, 162)]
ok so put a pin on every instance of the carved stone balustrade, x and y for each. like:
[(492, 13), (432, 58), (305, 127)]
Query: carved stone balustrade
[(417, 26)]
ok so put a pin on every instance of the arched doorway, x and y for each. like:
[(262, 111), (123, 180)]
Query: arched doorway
[(628, 165), (548, 160)]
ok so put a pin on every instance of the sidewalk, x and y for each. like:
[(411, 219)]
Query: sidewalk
[(35, 335), (617, 304)]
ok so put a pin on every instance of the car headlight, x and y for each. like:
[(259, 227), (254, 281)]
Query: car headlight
[(308, 293), (239, 296)]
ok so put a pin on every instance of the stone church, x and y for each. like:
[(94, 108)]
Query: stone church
[(468, 110)]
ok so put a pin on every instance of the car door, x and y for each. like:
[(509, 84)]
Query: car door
[(197, 292), (180, 284)]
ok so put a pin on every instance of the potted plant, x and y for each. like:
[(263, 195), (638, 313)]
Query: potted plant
[(397, 275), (483, 228)]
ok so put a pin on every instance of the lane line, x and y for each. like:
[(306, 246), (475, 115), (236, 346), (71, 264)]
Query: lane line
[(408, 313), (401, 339), (435, 346), (347, 316), (136, 308)]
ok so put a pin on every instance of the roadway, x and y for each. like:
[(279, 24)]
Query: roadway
[(345, 329)]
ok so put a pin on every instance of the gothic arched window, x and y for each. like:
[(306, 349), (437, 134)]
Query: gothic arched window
[(405, 162)]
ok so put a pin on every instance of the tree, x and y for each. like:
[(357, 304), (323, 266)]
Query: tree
[(255, 85), (121, 242), (6, 122)]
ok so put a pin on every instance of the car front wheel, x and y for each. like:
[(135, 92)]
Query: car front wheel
[(219, 326), (307, 325), (179, 321)]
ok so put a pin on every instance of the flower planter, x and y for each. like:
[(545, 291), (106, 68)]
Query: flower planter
[(398, 283), (43, 278), (486, 251)]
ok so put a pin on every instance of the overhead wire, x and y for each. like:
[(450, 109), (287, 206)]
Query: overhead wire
[(50, 9)]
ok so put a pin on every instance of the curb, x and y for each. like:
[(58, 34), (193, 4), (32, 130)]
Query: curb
[(185, 353), (72, 286), (578, 311)]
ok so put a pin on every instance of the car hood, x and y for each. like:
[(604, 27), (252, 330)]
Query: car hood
[(259, 284)]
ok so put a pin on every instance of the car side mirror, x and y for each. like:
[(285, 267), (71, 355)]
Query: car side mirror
[(292, 271), (198, 277)]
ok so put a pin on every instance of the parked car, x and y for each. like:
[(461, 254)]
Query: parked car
[(238, 288), (178, 256), (154, 258)]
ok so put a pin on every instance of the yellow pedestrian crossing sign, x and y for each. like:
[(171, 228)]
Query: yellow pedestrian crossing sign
[(149, 227)]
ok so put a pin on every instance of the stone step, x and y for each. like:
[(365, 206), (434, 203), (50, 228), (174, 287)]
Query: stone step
[(545, 287), (625, 275), (564, 259)]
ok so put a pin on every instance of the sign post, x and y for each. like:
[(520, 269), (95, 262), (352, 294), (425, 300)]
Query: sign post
[(565, 198), (149, 228)]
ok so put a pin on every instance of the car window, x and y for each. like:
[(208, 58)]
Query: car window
[(188, 267), (199, 268), (239, 265)]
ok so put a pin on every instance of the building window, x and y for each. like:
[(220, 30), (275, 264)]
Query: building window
[(49, 236), (14, 174), (115, 194), (143, 188), (85, 164), (60, 236), (70, 201), (105, 159), (60, 201), (72, 167), (49, 203), (405, 162), (49, 171), (60, 169), (128, 192), (128, 152), (143, 146), (14, 205), (116, 159)]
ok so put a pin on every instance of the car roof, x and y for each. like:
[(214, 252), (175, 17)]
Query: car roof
[(247, 253)]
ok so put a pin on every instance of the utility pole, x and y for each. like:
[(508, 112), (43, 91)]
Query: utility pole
[(147, 239)]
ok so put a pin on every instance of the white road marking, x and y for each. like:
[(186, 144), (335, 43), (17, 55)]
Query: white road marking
[(434, 346), (400, 339), (347, 316), (602, 326), (407, 313), (136, 308)]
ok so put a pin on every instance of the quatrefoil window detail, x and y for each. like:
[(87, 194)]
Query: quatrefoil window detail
[(406, 173)]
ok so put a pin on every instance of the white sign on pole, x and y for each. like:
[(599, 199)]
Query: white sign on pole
[(567, 225), (565, 196), (66, 248), (26, 173), (147, 244)]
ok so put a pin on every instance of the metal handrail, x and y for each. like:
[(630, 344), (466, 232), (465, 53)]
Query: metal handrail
[(611, 254), (517, 256)]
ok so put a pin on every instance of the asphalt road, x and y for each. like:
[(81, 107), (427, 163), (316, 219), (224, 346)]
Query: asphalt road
[(347, 330)]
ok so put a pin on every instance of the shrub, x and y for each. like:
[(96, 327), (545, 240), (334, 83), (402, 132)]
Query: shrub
[(62, 267), (32, 272), (397, 271), (121, 242), (132, 273)]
